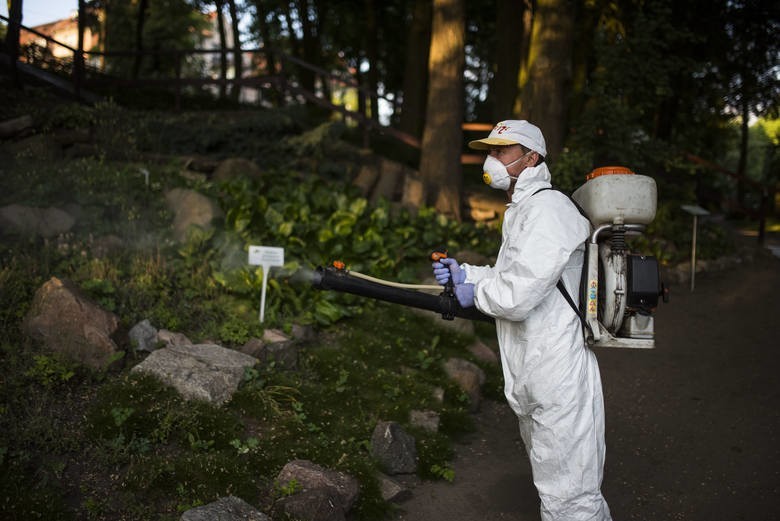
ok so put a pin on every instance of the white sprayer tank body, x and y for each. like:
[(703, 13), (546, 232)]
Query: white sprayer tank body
[(630, 198), (620, 289)]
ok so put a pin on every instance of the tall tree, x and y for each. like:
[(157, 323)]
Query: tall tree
[(750, 69), (511, 47), (547, 84), (440, 165), (415, 83), (12, 36), (143, 7), (371, 52), (223, 66), (238, 58)]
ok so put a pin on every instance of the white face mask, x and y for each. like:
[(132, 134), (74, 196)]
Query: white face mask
[(495, 172)]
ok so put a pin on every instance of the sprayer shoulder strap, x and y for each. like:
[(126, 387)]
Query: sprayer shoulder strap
[(580, 313)]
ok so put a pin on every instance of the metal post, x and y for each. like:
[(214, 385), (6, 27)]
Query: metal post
[(695, 211), (693, 251)]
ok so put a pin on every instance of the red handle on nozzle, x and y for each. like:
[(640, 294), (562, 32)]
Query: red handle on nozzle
[(438, 255)]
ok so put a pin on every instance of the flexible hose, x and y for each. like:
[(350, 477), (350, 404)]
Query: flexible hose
[(424, 287)]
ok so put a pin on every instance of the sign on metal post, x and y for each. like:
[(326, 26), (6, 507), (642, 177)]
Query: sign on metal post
[(696, 211), (267, 257)]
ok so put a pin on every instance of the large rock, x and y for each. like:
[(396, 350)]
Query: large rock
[(394, 448), (310, 476), (228, 508), (199, 372), (236, 167), (69, 323), (190, 208), (392, 490), (469, 377), (312, 505), (28, 220), (143, 336)]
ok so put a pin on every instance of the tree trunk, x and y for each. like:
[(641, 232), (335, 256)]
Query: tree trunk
[(307, 76), (416, 69), (238, 63), (219, 4), (12, 37), (143, 5), (440, 165), (509, 55), (271, 66), (78, 62), (743, 152), (372, 56), (545, 93)]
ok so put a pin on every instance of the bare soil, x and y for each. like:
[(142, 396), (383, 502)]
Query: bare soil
[(693, 426)]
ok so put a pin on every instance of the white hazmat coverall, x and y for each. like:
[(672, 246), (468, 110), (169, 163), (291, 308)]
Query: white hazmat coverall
[(552, 379)]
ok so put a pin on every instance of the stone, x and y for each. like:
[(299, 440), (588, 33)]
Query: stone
[(312, 505), (483, 353), (228, 508), (309, 476), (271, 336), (426, 420), (143, 336), (171, 338), (199, 372), (190, 208), (27, 220), (69, 323), (253, 347), (392, 490), (394, 448), (236, 167), (468, 377)]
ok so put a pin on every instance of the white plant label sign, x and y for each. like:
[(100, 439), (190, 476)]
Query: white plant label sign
[(267, 257)]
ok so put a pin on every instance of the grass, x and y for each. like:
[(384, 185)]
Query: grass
[(71, 434)]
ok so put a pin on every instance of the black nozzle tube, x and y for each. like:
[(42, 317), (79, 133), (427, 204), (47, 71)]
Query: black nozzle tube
[(447, 305)]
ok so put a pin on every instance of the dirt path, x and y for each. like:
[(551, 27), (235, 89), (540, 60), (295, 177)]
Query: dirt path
[(693, 426)]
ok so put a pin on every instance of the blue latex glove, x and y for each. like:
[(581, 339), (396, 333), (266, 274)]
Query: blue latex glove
[(445, 268), (465, 294)]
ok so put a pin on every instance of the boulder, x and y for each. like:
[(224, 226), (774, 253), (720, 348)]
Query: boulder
[(312, 505), (391, 490), (199, 372), (228, 508), (190, 208), (143, 336), (69, 323), (483, 353), (469, 377), (310, 476), (236, 167), (394, 448), (426, 420), (27, 220)]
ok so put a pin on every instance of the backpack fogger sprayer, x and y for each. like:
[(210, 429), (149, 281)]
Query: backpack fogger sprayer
[(619, 290)]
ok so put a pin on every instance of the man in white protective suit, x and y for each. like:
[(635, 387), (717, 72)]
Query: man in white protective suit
[(552, 379)]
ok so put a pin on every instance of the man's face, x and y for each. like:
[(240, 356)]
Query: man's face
[(509, 153)]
